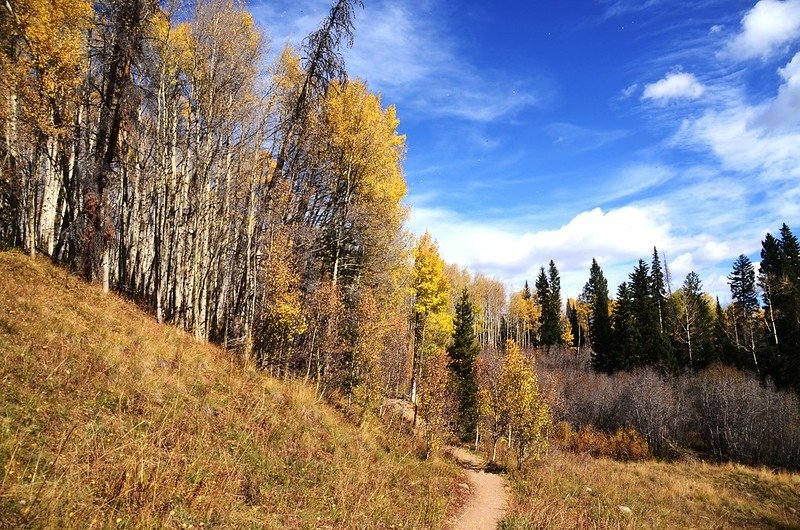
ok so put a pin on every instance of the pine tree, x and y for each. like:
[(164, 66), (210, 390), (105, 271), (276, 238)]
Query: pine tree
[(790, 330), (742, 281), (595, 294), (770, 274), (548, 290), (619, 355), (779, 279), (463, 353), (695, 324), (723, 350), (658, 289)]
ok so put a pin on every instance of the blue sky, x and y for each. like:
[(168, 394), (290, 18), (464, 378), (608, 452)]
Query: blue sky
[(574, 129)]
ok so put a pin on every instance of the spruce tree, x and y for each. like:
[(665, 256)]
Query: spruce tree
[(695, 324), (463, 354), (786, 307), (650, 346), (723, 350), (658, 289), (770, 276), (619, 356), (548, 292), (554, 281), (595, 293), (549, 333), (742, 281)]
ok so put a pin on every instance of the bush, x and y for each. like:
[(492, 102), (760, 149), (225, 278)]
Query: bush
[(623, 444), (726, 413)]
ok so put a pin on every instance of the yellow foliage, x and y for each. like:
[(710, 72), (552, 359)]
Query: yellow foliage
[(431, 287), (434, 402), (523, 408), (44, 55), (566, 331), (431, 294)]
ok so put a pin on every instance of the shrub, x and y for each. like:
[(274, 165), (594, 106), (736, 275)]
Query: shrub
[(623, 444)]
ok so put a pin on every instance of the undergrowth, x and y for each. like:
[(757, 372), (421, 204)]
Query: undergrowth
[(108, 419), (567, 490)]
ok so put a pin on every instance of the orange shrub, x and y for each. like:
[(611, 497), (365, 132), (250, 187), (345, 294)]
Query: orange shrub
[(624, 444)]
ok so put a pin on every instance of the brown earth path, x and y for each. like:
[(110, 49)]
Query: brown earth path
[(488, 500), (487, 505)]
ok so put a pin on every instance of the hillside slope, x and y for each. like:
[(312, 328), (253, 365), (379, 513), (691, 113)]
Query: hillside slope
[(108, 419)]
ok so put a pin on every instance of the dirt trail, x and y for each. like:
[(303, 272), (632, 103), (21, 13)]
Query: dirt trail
[(488, 502), (488, 499)]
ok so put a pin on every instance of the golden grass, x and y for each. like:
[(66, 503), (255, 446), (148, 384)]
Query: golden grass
[(109, 420), (578, 491)]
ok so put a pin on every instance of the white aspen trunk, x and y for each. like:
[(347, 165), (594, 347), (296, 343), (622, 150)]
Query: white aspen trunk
[(51, 187), (689, 337)]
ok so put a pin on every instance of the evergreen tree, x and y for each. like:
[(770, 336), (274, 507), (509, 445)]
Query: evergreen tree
[(650, 346), (723, 350), (578, 333), (463, 353), (779, 279), (790, 248), (789, 331), (658, 289), (619, 356), (595, 293), (695, 324), (742, 281), (770, 275), (550, 325), (554, 281)]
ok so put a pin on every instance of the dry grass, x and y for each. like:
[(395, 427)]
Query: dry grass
[(578, 491), (108, 419)]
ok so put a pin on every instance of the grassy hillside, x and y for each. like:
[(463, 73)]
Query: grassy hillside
[(578, 491), (108, 419)]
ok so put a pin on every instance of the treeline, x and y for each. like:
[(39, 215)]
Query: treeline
[(649, 323)]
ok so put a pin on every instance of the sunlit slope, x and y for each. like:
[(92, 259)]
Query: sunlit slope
[(108, 419)]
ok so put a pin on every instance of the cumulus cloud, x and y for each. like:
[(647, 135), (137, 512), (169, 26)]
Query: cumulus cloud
[(677, 85), (783, 113), (617, 238), (767, 28)]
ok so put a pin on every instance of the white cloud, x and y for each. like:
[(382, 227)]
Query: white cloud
[(677, 85), (763, 138), (767, 28), (617, 238), (630, 90), (716, 28), (783, 113)]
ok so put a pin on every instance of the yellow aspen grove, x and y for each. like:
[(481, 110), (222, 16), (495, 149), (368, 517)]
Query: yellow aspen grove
[(433, 323), (526, 414)]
